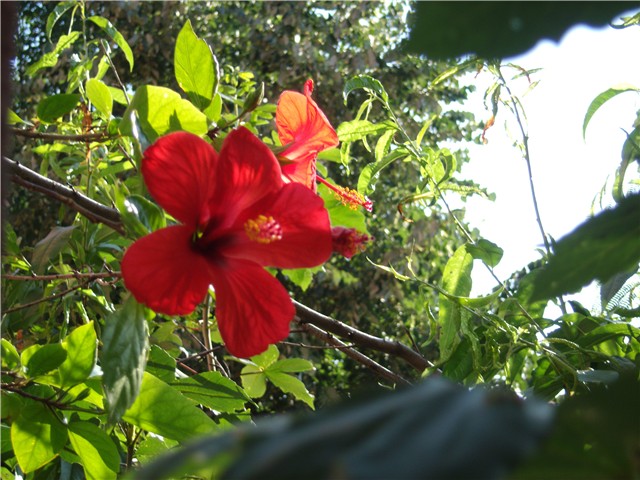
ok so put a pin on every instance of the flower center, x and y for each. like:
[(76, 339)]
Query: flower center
[(263, 229)]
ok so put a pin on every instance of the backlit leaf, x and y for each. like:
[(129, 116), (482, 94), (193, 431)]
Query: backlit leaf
[(290, 384), (40, 359), (487, 251), (51, 59), (99, 455), (195, 67), (37, 436), (601, 99), (367, 83), (81, 346), (100, 95)]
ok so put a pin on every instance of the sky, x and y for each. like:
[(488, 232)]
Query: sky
[(568, 171)]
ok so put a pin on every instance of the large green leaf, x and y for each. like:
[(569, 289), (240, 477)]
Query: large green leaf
[(213, 390), (163, 410), (602, 99), (160, 111), (125, 342), (53, 107), (9, 357), (456, 280), (499, 29), (487, 251), (195, 67), (81, 346), (56, 14), (597, 249), (433, 430), (37, 436), (290, 384), (359, 129), (116, 36), (100, 95), (97, 451)]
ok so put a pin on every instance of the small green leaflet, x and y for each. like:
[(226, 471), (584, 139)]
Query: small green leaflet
[(116, 36), (603, 98)]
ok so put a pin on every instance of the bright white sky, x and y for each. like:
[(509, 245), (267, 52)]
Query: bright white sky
[(568, 171)]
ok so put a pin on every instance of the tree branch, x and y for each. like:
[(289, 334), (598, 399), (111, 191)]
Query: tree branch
[(356, 355), (94, 211), (56, 137), (413, 358)]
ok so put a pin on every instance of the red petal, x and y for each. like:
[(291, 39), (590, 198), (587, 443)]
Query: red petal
[(251, 172), (253, 309), (179, 170), (300, 122), (162, 271), (306, 231)]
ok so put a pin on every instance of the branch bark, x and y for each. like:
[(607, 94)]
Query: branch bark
[(94, 211), (351, 352), (58, 137), (413, 358)]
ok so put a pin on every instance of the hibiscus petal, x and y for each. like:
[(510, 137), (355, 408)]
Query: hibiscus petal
[(301, 122), (253, 309), (305, 231), (251, 172), (179, 170), (163, 271)]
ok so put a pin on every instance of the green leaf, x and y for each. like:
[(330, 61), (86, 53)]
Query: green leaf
[(40, 359), (359, 129), (441, 30), (291, 365), (100, 95), (51, 59), (118, 95), (9, 356), (455, 70), (266, 358), (49, 247), (474, 302), (608, 332), (14, 119), (53, 107), (456, 280), (383, 144), (603, 98), (597, 249), (160, 111), (99, 455), (487, 251), (160, 364), (253, 380), (81, 346), (56, 14), (368, 84), (140, 216), (123, 357), (290, 384), (116, 36), (370, 172), (37, 436), (302, 277), (195, 67), (213, 390), (163, 410)]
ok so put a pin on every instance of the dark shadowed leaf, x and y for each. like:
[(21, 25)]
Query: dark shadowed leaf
[(53, 107), (598, 249), (123, 357), (49, 247), (500, 29), (416, 433)]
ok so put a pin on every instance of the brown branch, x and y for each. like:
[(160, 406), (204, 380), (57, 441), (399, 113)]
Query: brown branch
[(356, 355), (307, 315), (62, 276), (56, 137), (94, 211)]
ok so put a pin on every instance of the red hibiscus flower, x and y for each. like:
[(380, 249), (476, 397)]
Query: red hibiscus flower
[(236, 216), (306, 130), (348, 241)]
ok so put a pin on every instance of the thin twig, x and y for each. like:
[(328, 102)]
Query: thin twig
[(57, 137), (307, 315), (206, 334), (356, 355), (62, 276), (45, 299), (94, 211), (115, 71)]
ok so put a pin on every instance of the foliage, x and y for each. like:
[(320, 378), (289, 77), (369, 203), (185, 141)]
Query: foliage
[(95, 384)]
